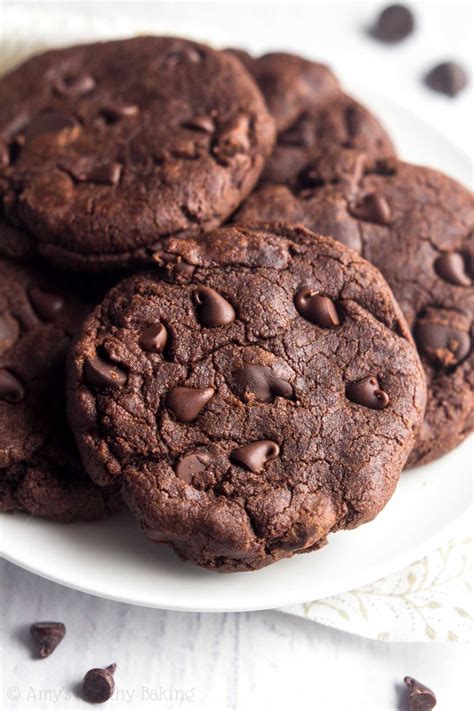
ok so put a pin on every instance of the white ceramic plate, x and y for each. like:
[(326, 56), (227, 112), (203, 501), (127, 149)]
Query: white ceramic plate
[(113, 559)]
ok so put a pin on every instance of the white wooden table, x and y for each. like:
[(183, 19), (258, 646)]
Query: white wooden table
[(265, 659), (241, 661)]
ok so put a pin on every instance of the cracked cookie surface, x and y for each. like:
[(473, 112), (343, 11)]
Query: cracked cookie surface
[(106, 148), (260, 392), (40, 469), (311, 112), (416, 225)]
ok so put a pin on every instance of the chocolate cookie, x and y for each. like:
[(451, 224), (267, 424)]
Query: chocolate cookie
[(263, 395), (108, 147), (415, 225), (40, 470), (311, 112)]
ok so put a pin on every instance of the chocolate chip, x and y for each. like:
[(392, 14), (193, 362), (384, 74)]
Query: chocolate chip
[(190, 465), (9, 329), (189, 54), (258, 382), (233, 139), (212, 309), (420, 698), (114, 113), (452, 268), (11, 390), (47, 305), (440, 344), (187, 403), (5, 157), (105, 173), (16, 125), (174, 263), (254, 456), (373, 208), (367, 392), (102, 374), (48, 635), (316, 308), (447, 78), (154, 338), (75, 85), (393, 24), (200, 123), (48, 122), (183, 268), (98, 684)]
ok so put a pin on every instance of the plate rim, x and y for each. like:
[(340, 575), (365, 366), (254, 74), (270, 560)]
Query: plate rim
[(403, 560)]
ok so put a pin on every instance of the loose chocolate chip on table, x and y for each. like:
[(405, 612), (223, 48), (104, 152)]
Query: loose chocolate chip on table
[(191, 464), (259, 381), (316, 308), (394, 23), (441, 344), (48, 635), (102, 374), (187, 403), (11, 390), (420, 698), (98, 684), (48, 122), (9, 328), (254, 456), (452, 267), (373, 208), (46, 304), (447, 78), (367, 392), (212, 309)]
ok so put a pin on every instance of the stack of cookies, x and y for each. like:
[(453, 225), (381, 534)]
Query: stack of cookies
[(258, 313)]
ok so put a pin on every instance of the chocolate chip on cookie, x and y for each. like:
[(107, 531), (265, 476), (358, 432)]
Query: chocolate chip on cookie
[(289, 382), (109, 147), (415, 225), (40, 469)]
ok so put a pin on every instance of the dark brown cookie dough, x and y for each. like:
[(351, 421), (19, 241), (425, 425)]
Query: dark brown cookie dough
[(107, 148), (40, 470), (415, 225), (311, 112), (265, 393)]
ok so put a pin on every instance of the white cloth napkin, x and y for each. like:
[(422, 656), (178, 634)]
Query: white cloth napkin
[(430, 600)]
